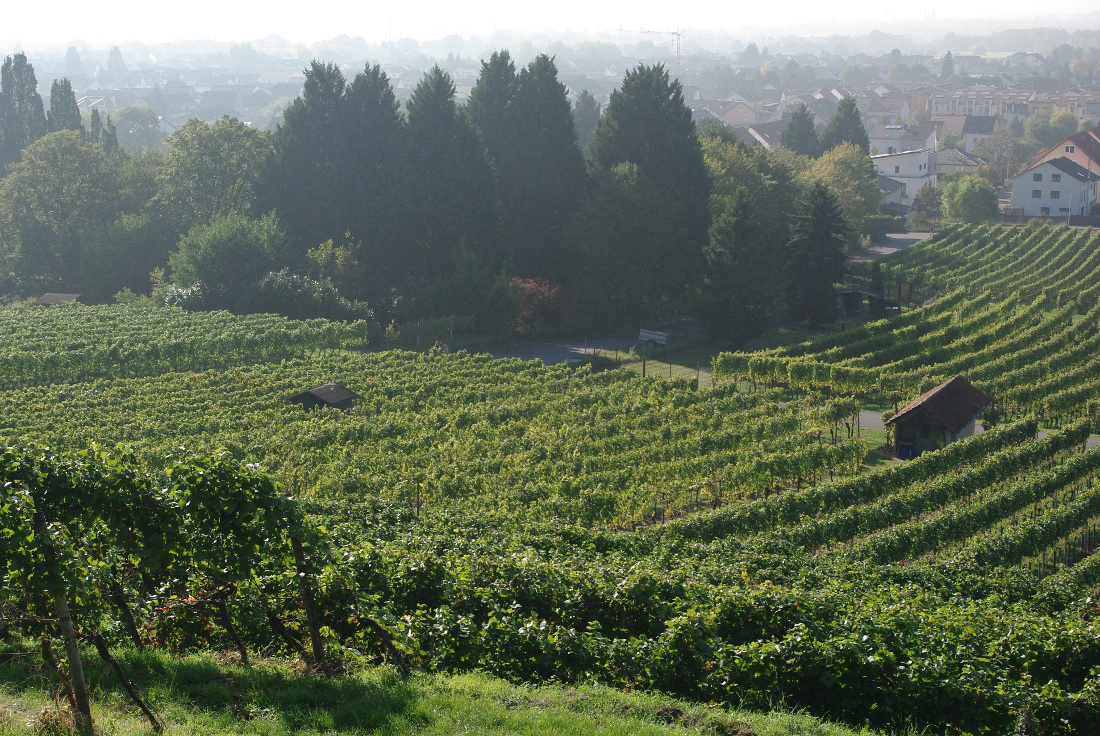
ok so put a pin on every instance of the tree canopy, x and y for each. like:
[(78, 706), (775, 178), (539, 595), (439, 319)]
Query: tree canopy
[(64, 113), (851, 176), (970, 199), (211, 170), (648, 124), (815, 258), (799, 135), (22, 117), (846, 126)]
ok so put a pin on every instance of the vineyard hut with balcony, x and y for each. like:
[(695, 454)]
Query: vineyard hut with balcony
[(331, 395), (938, 417)]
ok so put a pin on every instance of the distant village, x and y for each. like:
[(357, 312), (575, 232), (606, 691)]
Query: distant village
[(925, 114)]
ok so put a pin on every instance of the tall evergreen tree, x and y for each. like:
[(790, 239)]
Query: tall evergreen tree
[(109, 139), (375, 171), (586, 113), (95, 126), (540, 169), (22, 117), (347, 133), (754, 205), (846, 126), (815, 257), (648, 124), (490, 105), (799, 135), (948, 69), (305, 180), (64, 113), (453, 209), (116, 67), (73, 67)]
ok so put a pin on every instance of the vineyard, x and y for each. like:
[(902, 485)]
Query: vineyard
[(556, 524)]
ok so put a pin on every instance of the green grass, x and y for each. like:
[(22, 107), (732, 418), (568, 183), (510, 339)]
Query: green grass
[(199, 695), (876, 442), (682, 365)]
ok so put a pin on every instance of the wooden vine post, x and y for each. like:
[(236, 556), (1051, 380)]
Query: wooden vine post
[(307, 601), (56, 584)]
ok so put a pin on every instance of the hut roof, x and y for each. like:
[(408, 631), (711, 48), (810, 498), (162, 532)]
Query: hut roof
[(330, 393), (52, 298), (953, 404)]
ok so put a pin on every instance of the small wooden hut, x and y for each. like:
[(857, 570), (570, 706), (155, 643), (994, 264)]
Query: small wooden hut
[(331, 395), (938, 417)]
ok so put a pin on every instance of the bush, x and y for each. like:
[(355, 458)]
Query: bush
[(300, 297)]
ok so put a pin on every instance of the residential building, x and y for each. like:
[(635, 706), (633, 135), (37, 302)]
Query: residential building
[(976, 128), (1054, 188), (912, 168), (1007, 103), (1081, 148), (954, 161), (901, 137)]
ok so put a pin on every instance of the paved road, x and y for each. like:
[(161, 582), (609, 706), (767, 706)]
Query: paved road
[(893, 243), (558, 352)]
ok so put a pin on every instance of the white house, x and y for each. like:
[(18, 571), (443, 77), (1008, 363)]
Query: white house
[(912, 168), (1058, 187)]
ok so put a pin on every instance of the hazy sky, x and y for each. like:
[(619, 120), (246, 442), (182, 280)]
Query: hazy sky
[(59, 23)]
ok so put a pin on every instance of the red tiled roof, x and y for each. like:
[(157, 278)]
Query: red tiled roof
[(953, 404)]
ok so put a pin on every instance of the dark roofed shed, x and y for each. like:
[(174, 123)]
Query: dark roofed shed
[(937, 417), (331, 394)]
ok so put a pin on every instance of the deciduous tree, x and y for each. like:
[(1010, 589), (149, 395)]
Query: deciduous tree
[(227, 254), (970, 199), (139, 129), (211, 170), (849, 173), (56, 204)]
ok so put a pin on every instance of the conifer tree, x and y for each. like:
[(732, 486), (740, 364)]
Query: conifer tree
[(64, 113), (846, 126), (799, 135), (648, 124), (22, 117), (586, 113), (453, 211), (815, 256)]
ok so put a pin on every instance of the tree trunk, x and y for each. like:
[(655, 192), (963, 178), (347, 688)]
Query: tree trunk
[(280, 629), (227, 624), (307, 601), (68, 631), (127, 615), (105, 654)]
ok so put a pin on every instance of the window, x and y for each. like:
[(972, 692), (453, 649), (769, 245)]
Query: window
[(1055, 194), (1036, 177), (1070, 149), (1056, 178), (897, 169), (1044, 211), (1036, 193)]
